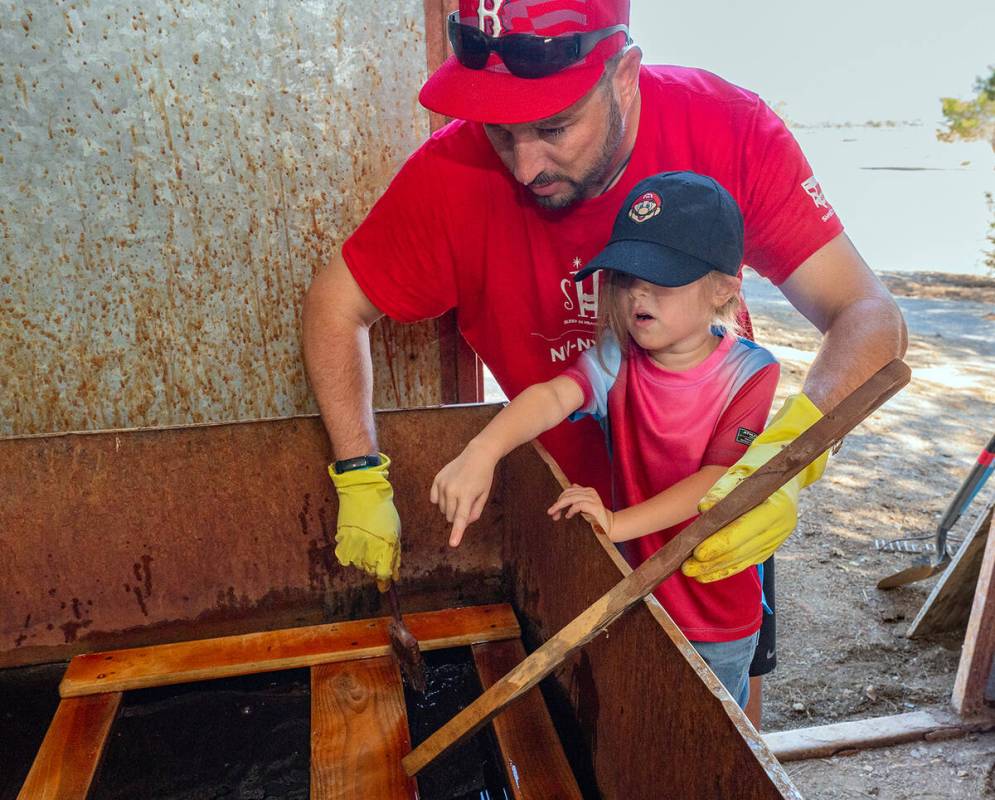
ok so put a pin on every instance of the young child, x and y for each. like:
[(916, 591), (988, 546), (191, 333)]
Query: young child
[(679, 396)]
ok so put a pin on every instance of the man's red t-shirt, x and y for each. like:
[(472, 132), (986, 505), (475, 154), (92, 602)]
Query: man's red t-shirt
[(455, 230)]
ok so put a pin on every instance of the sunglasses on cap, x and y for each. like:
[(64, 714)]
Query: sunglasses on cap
[(524, 54)]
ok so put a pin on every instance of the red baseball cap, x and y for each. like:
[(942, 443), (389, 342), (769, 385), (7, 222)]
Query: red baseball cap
[(495, 95)]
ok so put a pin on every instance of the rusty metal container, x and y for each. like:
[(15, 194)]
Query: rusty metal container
[(123, 538)]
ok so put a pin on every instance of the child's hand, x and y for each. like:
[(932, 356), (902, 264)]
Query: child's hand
[(461, 489), (582, 500)]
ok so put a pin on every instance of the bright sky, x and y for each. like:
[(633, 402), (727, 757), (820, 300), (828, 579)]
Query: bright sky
[(849, 60)]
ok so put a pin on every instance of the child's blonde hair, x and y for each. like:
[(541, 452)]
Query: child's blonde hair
[(612, 316)]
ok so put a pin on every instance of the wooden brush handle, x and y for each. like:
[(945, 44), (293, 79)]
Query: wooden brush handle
[(640, 582)]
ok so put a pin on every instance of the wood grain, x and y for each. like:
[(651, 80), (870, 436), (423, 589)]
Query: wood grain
[(70, 753), (184, 662), (948, 607), (823, 741), (603, 612), (978, 655), (534, 762), (359, 731)]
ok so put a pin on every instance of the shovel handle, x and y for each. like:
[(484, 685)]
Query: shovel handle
[(747, 495)]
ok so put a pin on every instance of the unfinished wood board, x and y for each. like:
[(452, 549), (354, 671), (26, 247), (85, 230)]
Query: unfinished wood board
[(822, 741), (70, 753), (978, 654), (184, 662), (636, 683), (533, 758), (359, 731), (948, 606)]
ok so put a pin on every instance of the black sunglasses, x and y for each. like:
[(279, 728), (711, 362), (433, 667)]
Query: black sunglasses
[(524, 54)]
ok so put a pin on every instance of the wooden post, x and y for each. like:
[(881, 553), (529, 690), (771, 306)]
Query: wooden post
[(462, 372), (975, 670)]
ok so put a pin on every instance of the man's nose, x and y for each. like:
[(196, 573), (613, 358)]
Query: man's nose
[(528, 160)]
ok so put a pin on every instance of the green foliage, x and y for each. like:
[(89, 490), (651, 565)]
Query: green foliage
[(974, 119)]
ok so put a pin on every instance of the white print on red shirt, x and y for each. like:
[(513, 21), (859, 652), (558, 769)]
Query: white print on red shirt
[(579, 327), (811, 185)]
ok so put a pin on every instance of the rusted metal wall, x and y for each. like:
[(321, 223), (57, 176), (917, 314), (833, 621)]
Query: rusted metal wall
[(120, 538), (171, 175)]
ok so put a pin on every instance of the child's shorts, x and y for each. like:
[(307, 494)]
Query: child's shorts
[(730, 661)]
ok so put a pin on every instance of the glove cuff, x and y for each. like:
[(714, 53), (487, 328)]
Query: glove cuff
[(797, 415)]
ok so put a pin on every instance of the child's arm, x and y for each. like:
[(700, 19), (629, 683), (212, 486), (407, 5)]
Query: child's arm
[(461, 487), (664, 510)]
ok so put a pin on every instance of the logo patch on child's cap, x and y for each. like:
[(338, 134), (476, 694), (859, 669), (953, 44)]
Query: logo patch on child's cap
[(645, 207), (746, 436)]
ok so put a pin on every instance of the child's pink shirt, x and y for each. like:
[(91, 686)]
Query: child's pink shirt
[(664, 426)]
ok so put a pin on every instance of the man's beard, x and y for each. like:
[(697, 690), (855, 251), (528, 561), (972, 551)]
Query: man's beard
[(595, 176)]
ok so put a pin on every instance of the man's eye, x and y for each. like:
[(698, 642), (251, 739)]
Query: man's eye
[(552, 133)]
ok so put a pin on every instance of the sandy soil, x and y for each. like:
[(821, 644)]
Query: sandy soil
[(843, 653)]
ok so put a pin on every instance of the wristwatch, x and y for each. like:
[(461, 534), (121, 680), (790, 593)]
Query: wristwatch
[(360, 462)]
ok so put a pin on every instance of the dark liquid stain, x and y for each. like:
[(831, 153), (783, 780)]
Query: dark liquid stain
[(248, 737), (245, 737), (28, 699), (472, 769)]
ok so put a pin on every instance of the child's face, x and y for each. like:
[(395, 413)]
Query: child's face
[(670, 322)]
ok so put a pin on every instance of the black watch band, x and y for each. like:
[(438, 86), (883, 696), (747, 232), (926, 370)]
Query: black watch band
[(360, 462)]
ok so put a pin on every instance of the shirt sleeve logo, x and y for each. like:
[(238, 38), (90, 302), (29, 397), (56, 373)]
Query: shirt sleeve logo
[(746, 436), (815, 192), (645, 207)]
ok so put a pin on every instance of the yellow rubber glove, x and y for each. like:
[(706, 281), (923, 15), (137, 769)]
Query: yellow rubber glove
[(753, 537), (368, 533)]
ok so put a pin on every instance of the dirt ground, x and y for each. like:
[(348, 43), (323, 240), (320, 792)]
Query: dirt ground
[(842, 649)]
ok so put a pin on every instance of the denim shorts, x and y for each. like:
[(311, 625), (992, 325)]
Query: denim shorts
[(730, 661)]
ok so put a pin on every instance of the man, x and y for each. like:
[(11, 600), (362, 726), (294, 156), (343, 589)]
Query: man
[(556, 121)]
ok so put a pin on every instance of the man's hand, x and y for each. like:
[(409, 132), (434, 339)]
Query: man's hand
[(461, 488), (368, 534), (753, 537), (582, 500)]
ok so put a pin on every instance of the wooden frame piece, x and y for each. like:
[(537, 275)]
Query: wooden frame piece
[(823, 741), (359, 731), (71, 751), (977, 659), (531, 753), (205, 659), (948, 606)]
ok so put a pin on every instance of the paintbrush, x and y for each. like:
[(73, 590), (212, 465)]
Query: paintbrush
[(405, 645)]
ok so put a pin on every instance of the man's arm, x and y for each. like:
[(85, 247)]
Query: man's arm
[(861, 325), (337, 317)]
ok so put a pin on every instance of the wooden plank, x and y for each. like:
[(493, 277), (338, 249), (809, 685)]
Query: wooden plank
[(359, 731), (205, 659), (534, 762), (822, 741), (948, 606), (750, 493), (978, 655), (70, 754)]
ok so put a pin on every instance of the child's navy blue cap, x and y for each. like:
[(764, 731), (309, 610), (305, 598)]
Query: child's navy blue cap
[(674, 228)]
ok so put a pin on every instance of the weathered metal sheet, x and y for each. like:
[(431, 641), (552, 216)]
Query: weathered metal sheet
[(171, 175), (121, 538)]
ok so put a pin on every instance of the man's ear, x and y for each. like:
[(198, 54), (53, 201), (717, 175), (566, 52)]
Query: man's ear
[(625, 81)]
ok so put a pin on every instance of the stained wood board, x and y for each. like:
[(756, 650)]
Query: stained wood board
[(977, 658), (70, 753), (948, 606), (205, 659), (359, 731), (533, 758), (823, 741)]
